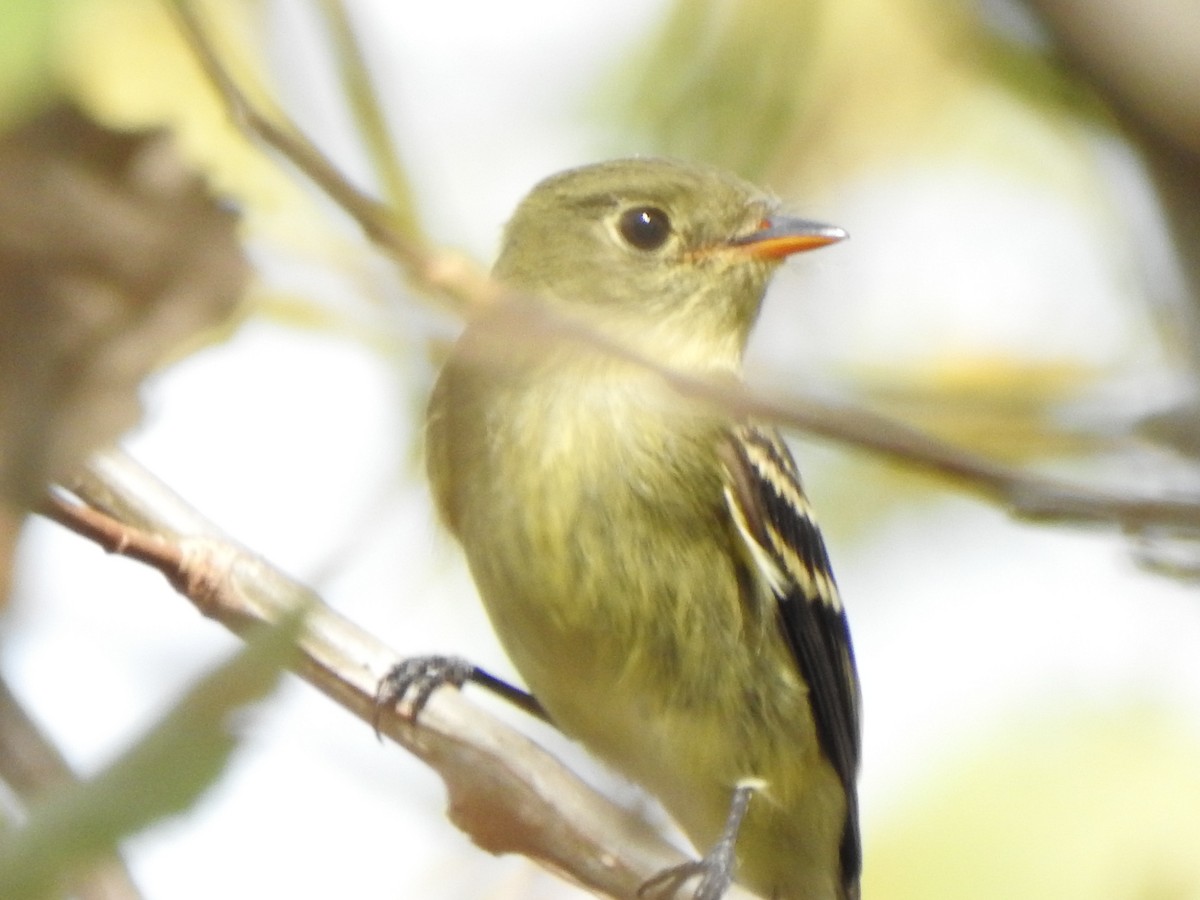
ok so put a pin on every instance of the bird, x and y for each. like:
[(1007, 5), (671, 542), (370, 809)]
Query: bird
[(650, 561)]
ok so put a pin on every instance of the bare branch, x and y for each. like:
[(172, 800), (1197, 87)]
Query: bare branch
[(505, 792)]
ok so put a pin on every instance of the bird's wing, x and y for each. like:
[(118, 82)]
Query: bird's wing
[(774, 519)]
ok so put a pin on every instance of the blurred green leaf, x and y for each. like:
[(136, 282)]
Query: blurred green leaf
[(726, 82), (163, 774), (769, 88), (26, 36)]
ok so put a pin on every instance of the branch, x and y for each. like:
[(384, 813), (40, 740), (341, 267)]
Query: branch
[(451, 276), (505, 792), (1024, 495), (371, 124)]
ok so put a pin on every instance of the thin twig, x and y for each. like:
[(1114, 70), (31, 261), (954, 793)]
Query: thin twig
[(449, 276), (278, 131), (1025, 495), (368, 113)]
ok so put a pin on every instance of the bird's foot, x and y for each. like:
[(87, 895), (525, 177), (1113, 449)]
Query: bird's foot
[(716, 867), (412, 682), (715, 871)]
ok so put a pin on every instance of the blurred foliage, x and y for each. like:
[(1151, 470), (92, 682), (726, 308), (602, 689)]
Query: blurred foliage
[(1000, 406), (127, 64), (161, 775), (1099, 804), (112, 256), (26, 37), (813, 89)]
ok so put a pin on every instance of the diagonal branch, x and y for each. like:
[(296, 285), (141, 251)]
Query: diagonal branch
[(505, 792), (1025, 495)]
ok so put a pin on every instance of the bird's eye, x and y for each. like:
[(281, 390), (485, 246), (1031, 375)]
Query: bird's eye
[(645, 227)]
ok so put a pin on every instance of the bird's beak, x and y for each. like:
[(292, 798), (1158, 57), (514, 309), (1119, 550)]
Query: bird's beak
[(780, 236)]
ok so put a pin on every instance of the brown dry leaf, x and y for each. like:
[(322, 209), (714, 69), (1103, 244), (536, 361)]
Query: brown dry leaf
[(111, 255)]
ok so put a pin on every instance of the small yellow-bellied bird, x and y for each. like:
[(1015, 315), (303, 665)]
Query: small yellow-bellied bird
[(650, 562)]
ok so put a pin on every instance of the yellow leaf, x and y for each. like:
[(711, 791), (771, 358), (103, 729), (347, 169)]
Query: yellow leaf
[(127, 64)]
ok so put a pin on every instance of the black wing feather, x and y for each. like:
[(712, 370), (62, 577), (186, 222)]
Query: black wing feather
[(772, 511)]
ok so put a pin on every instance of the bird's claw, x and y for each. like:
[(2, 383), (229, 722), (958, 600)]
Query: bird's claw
[(716, 867), (412, 682), (715, 871)]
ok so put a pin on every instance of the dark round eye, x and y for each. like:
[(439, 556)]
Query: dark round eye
[(645, 227)]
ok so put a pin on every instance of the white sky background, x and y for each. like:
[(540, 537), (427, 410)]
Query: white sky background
[(296, 443)]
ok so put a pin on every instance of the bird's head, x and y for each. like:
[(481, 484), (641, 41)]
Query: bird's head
[(676, 252)]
